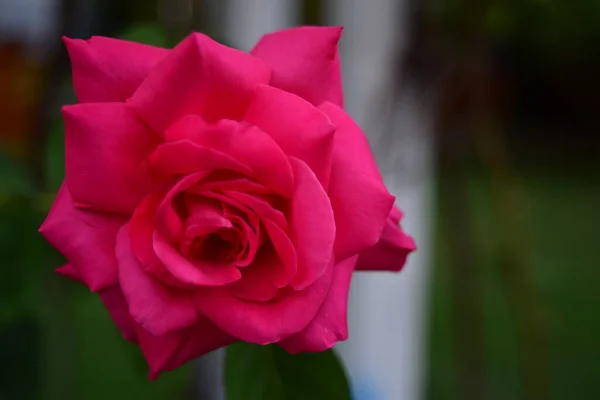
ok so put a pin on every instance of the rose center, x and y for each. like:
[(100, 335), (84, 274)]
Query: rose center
[(216, 247)]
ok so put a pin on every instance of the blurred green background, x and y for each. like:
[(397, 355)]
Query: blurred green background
[(514, 292)]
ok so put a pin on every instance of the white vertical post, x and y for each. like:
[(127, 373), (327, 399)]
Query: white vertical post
[(385, 353), (31, 22), (247, 20)]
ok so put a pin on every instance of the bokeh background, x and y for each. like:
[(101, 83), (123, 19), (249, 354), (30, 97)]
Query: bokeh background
[(505, 289)]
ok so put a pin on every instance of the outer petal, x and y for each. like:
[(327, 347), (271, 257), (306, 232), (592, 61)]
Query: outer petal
[(305, 61), (312, 224), (106, 69), (68, 271), (170, 351), (200, 76), (390, 253), (264, 322), (360, 201), (157, 308), (330, 325), (115, 303), (86, 239), (302, 131), (395, 215), (105, 147)]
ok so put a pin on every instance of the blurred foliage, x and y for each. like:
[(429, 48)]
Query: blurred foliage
[(15, 179), (564, 265), (147, 33), (21, 341), (18, 220), (22, 276), (55, 158), (548, 28)]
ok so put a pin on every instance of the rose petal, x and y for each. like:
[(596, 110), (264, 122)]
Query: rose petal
[(200, 76), (264, 322), (168, 221), (276, 228), (185, 157), (305, 61), (302, 131), (287, 269), (248, 145), (115, 303), (69, 272), (255, 284), (170, 351), (142, 225), (85, 238), (105, 147), (248, 230), (312, 224), (330, 325), (239, 184), (106, 70), (390, 253), (261, 207), (196, 273), (281, 274), (160, 258), (157, 308), (395, 215), (361, 203), (205, 218)]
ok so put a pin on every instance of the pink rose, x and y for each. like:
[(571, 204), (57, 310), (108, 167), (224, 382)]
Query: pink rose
[(213, 195)]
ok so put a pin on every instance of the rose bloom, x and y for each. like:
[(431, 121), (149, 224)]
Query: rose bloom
[(213, 195)]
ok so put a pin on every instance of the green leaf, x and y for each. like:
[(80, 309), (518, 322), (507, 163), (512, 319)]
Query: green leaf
[(146, 33), (270, 373)]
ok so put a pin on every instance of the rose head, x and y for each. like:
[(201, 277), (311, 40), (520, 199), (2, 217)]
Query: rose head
[(213, 195)]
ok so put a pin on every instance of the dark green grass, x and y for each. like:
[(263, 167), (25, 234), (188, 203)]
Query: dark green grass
[(565, 225)]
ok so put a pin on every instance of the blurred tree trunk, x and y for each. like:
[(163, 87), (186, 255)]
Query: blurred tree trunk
[(465, 275), (510, 205)]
